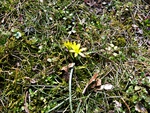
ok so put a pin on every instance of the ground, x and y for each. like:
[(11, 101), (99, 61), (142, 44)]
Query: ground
[(74, 56)]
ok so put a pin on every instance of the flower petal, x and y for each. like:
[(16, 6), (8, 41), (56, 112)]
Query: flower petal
[(71, 51), (75, 55), (78, 46), (83, 49), (82, 54), (67, 44)]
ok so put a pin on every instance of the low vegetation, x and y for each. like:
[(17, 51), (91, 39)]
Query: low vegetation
[(74, 56)]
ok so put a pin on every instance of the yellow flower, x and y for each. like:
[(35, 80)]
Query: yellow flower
[(68, 44), (75, 48)]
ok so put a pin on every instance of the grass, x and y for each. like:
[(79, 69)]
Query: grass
[(32, 55)]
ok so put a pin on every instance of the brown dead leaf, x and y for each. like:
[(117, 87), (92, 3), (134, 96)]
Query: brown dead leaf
[(65, 71), (32, 80), (97, 83), (65, 68), (140, 108), (90, 2), (92, 80)]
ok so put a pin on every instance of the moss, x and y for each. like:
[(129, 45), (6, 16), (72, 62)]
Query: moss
[(120, 41)]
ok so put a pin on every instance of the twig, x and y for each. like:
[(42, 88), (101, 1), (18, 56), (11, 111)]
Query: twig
[(26, 104), (126, 104)]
